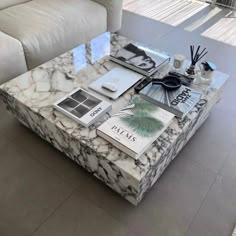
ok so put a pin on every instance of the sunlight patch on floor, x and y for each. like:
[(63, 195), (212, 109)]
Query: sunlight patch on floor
[(172, 12), (198, 23), (224, 30)]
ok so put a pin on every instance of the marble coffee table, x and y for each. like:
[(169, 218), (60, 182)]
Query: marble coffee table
[(30, 97)]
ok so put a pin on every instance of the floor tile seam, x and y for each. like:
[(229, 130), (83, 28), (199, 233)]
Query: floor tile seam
[(216, 172), (124, 223), (74, 190), (226, 159), (64, 180), (77, 191), (208, 169), (203, 201), (154, 187), (27, 155), (6, 141), (229, 178), (52, 213)]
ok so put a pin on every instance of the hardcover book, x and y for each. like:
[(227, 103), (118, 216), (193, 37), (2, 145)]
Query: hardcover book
[(135, 127), (122, 78), (143, 60), (83, 107), (180, 102)]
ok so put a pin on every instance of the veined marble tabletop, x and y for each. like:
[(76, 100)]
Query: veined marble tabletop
[(30, 98)]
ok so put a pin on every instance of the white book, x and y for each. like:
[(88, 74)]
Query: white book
[(82, 107), (122, 78), (135, 127)]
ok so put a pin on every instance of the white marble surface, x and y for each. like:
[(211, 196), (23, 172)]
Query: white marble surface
[(30, 98)]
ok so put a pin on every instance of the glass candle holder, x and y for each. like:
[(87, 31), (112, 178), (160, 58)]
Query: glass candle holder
[(191, 70)]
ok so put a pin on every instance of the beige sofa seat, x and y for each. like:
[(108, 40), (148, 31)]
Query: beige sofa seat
[(12, 61), (48, 28), (9, 3)]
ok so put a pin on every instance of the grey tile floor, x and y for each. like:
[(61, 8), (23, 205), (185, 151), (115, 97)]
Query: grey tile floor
[(44, 193)]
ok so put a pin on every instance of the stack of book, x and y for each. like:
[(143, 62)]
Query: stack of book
[(179, 102), (143, 60), (135, 127)]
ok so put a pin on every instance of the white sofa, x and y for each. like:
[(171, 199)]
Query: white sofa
[(35, 31)]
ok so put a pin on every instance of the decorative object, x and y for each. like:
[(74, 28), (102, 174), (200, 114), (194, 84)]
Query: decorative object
[(207, 70), (169, 82), (195, 57), (184, 79), (178, 61)]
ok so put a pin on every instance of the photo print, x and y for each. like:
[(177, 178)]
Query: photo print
[(79, 103)]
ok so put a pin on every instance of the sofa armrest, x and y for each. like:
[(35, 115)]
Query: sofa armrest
[(114, 13), (12, 58)]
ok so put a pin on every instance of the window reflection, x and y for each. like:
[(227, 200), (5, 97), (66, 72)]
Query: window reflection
[(79, 58), (100, 47)]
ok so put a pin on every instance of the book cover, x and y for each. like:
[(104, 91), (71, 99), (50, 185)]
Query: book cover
[(179, 102), (141, 59), (82, 106), (122, 78), (135, 127)]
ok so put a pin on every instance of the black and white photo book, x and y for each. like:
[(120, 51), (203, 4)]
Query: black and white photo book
[(82, 107), (141, 59)]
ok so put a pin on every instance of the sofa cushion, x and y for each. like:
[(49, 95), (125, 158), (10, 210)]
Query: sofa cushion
[(12, 58), (47, 29), (9, 3)]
